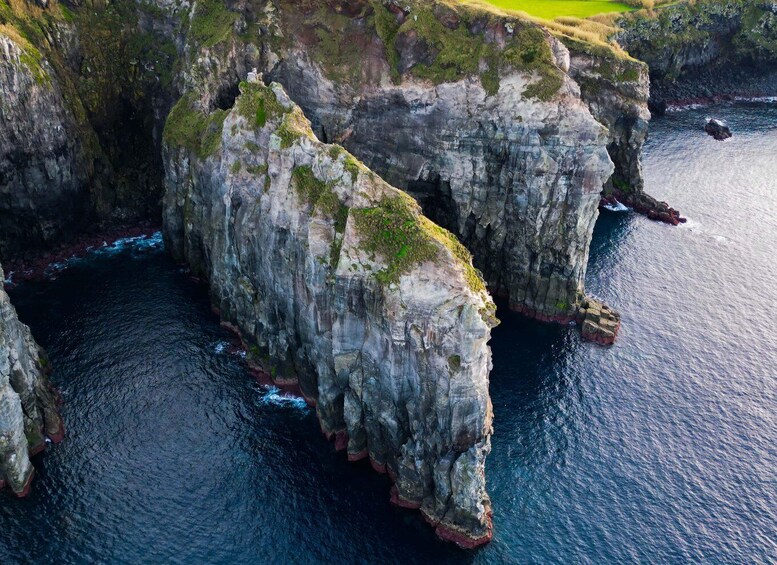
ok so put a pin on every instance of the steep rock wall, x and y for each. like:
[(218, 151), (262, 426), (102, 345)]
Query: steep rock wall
[(511, 161), (44, 169), (84, 96), (616, 90), (333, 278), (28, 412), (706, 48)]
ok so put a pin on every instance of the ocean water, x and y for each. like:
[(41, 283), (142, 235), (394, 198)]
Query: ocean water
[(659, 449)]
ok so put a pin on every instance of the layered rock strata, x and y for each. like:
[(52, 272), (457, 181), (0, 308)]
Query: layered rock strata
[(616, 89), (28, 405), (472, 112), (334, 279), (599, 323)]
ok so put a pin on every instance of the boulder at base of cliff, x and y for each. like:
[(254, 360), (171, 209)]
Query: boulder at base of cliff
[(718, 129), (600, 323)]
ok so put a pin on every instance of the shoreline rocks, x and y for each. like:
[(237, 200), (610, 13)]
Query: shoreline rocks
[(643, 204), (599, 323)]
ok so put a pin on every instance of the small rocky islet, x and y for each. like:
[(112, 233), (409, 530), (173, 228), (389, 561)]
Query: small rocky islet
[(354, 181)]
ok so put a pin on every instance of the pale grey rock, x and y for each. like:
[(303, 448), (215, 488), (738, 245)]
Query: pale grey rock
[(28, 410), (397, 371), (516, 179)]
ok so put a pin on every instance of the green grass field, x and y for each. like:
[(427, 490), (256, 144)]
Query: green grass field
[(550, 9)]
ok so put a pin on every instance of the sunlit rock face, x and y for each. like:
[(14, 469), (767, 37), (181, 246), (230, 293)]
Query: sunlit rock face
[(336, 282)]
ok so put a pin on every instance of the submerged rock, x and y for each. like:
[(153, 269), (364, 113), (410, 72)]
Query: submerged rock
[(335, 280), (718, 129), (28, 411)]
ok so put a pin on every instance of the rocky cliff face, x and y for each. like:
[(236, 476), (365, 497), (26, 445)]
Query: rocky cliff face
[(617, 90), (506, 155), (44, 170), (335, 281), (473, 113), (706, 48), (28, 412), (84, 97)]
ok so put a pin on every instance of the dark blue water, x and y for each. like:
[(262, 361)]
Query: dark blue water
[(659, 449)]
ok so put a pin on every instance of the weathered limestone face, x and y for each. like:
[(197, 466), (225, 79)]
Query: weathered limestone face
[(517, 180), (27, 404), (333, 278)]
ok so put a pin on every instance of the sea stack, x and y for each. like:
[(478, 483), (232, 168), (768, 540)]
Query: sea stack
[(334, 279), (28, 405)]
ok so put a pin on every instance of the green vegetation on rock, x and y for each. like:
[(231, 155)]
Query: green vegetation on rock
[(473, 277), (258, 104), (396, 231), (294, 126), (189, 127), (462, 50), (212, 22), (393, 230), (321, 196)]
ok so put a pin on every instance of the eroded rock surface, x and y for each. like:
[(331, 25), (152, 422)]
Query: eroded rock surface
[(333, 278), (44, 190), (512, 165), (28, 412)]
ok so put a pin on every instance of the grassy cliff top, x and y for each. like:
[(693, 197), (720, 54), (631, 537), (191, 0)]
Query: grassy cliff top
[(551, 9)]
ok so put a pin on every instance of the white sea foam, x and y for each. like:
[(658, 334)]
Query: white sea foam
[(137, 243), (273, 396), (617, 207)]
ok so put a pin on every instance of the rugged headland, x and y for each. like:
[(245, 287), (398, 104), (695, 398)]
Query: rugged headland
[(351, 178), (336, 282)]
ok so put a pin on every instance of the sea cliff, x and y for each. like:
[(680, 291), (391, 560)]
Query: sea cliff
[(705, 50), (336, 282), (315, 198), (28, 404)]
